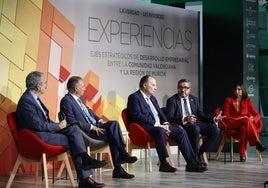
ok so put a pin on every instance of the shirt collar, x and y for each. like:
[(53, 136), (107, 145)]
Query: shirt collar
[(144, 95), (74, 96), (187, 98), (34, 95)]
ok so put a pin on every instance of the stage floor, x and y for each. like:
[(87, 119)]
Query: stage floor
[(251, 174)]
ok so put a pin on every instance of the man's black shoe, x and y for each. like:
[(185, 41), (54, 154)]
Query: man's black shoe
[(201, 160), (166, 168), (195, 166), (126, 158), (121, 173), (91, 163), (260, 147), (89, 183)]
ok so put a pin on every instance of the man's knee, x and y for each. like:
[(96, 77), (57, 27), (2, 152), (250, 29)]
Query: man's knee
[(75, 129), (216, 130), (159, 132)]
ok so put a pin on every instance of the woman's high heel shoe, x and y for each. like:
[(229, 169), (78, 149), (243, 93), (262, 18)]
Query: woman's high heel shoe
[(260, 147), (242, 158)]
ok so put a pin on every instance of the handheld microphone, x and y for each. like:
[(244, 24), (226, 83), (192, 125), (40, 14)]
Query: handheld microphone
[(61, 116)]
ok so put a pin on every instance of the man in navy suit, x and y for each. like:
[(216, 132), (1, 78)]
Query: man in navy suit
[(183, 109), (33, 115), (75, 110), (142, 108)]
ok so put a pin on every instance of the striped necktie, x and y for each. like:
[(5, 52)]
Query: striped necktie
[(186, 109), (89, 117), (42, 108), (156, 117)]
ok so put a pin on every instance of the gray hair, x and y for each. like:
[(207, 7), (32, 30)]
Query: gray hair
[(33, 79)]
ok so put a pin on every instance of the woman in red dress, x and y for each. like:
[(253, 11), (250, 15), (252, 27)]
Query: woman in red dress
[(241, 115)]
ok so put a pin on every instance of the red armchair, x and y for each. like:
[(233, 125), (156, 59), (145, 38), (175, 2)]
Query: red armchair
[(32, 149), (140, 139)]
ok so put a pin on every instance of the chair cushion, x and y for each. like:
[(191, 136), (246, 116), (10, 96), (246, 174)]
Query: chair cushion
[(139, 136), (31, 146), (93, 143)]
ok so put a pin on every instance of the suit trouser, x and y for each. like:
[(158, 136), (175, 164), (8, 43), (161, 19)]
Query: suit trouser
[(178, 135), (113, 136), (195, 130), (248, 133), (72, 139)]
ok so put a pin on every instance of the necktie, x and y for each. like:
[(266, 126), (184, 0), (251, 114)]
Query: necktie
[(89, 118), (43, 110), (156, 117), (186, 109)]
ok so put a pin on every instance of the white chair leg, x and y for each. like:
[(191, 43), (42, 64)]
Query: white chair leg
[(178, 157), (259, 155), (220, 149), (14, 171), (60, 170), (148, 159), (69, 169), (170, 155), (36, 173), (44, 161)]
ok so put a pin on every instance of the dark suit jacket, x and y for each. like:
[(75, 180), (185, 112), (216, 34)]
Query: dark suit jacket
[(174, 110), (74, 113), (31, 116), (139, 111)]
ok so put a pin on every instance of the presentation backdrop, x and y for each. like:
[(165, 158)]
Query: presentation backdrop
[(122, 40), (110, 44)]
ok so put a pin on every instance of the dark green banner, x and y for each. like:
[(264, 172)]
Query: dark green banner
[(251, 47)]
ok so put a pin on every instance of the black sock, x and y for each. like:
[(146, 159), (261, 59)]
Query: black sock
[(117, 167), (122, 151), (84, 156), (163, 161)]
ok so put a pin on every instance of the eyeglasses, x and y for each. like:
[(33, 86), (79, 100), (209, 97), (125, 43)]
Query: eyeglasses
[(184, 87)]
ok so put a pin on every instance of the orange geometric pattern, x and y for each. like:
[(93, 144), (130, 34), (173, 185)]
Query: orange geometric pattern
[(28, 31), (34, 35)]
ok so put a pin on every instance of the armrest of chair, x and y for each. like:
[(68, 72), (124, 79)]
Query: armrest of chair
[(31, 146)]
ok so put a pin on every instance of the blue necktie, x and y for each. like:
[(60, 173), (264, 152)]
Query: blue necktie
[(186, 109), (89, 118), (156, 117)]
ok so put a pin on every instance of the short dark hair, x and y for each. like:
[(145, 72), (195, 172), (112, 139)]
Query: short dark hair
[(72, 82), (184, 80), (144, 80), (33, 78)]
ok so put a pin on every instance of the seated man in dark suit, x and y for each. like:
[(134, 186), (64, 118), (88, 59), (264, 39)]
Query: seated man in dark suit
[(183, 109), (75, 110), (142, 108), (33, 115)]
